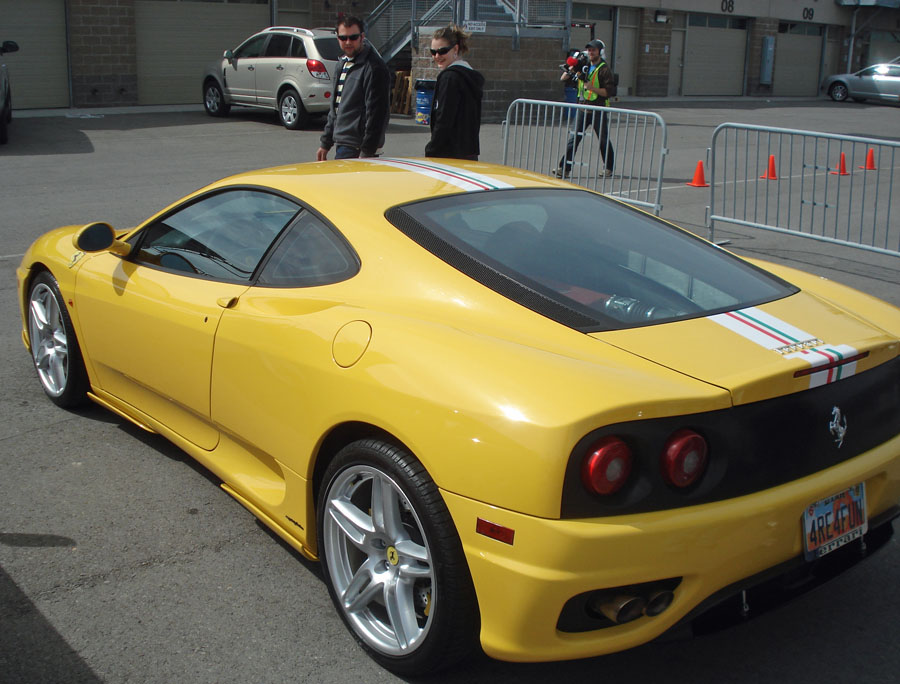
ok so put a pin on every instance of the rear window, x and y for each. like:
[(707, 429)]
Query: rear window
[(583, 259), (328, 47)]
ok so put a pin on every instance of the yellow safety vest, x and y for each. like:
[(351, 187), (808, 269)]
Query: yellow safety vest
[(587, 95)]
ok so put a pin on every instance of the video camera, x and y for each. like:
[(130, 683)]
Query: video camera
[(577, 65)]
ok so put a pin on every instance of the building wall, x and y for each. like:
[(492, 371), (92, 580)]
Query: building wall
[(653, 56), (759, 28), (531, 72), (103, 52)]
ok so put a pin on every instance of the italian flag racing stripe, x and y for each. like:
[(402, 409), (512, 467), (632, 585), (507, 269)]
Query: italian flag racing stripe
[(792, 343), (465, 180)]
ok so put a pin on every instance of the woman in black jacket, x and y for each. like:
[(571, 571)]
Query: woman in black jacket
[(456, 108)]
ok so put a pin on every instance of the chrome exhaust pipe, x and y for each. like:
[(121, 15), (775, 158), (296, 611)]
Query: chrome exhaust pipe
[(622, 608), (657, 602)]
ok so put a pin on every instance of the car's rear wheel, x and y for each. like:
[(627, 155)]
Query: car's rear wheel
[(838, 92), (214, 99), (54, 347), (291, 110), (393, 561)]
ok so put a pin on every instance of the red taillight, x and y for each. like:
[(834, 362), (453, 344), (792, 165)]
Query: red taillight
[(606, 467), (317, 69), (683, 459)]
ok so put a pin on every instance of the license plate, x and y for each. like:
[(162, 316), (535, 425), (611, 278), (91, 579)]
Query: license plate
[(834, 521)]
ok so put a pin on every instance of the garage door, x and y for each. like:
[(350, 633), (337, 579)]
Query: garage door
[(176, 40), (714, 56), (797, 59), (39, 71)]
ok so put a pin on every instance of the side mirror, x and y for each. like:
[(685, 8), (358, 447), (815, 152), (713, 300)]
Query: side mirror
[(9, 46), (229, 55), (99, 236)]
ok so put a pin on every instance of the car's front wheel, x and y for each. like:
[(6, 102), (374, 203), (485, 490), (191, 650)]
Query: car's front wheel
[(838, 92), (214, 99), (291, 111), (54, 347), (393, 561)]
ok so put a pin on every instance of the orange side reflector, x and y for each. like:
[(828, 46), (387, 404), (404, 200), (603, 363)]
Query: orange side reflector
[(494, 531)]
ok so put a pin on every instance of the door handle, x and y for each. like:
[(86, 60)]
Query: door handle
[(250, 68), (227, 302), (280, 68)]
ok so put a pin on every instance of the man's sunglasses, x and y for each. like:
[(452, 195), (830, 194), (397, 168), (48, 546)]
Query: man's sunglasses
[(352, 36), (441, 51)]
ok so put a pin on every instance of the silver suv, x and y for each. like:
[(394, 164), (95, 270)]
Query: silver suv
[(5, 92), (284, 68)]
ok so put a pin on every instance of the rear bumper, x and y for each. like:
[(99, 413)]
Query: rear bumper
[(716, 549)]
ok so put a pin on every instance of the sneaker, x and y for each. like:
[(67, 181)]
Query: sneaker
[(605, 173), (561, 173)]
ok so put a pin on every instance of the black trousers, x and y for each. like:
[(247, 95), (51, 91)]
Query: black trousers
[(598, 120)]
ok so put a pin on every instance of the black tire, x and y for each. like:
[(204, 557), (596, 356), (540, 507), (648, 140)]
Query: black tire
[(859, 99), (54, 347), (398, 555), (4, 133), (214, 99), (291, 112), (838, 92)]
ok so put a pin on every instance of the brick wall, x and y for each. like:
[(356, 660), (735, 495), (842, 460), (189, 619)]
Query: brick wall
[(103, 52), (653, 64), (324, 13), (530, 72), (759, 28)]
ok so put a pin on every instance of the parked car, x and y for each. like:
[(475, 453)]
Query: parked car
[(876, 82), (5, 92), (501, 409), (283, 68)]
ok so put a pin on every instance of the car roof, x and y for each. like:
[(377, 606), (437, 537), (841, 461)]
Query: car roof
[(376, 184)]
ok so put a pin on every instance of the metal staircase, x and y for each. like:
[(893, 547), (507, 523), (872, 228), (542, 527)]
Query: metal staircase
[(394, 23)]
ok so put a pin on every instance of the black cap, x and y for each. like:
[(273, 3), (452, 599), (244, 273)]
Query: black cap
[(596, 44)]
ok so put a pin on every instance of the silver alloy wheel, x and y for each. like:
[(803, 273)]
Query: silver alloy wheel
[(213, 99), (49, 342), (839, 92), (379, 560), (289, 109)]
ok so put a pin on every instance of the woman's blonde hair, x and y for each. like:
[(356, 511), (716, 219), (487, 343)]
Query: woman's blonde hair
[(454, 35)]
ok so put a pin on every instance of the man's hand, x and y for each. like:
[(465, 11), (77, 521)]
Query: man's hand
[(321, 154)]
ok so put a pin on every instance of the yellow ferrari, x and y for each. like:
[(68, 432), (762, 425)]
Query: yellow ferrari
[(503, 411)]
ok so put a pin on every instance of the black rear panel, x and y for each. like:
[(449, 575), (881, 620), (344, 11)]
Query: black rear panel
[(751, 447)]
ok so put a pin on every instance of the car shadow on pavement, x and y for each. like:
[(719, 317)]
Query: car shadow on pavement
[(71, 132)]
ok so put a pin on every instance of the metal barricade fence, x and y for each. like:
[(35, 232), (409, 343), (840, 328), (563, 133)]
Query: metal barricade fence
[(537, 134), (835, 188)]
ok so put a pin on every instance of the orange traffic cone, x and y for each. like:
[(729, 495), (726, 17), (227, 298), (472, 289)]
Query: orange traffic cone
[(770, 173), (870, 161), (699, 179), (842, 169)]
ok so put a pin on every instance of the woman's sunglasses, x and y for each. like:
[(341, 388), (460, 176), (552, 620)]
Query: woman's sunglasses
[(441, 51), (352, 36)]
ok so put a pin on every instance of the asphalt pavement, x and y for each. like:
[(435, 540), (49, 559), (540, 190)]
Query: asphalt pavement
[(122, 561)]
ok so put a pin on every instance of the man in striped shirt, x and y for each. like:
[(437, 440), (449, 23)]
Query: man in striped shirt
[(360, 109)]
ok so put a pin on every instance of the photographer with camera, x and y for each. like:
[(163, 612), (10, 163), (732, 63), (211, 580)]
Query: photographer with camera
[(596, 84)]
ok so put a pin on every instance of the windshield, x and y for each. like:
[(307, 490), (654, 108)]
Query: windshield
[(583, 259)]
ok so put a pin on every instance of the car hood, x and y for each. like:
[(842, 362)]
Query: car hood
[(756, 353)]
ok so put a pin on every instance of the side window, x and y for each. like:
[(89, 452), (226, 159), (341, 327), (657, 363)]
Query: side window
[(221, 237), (298, 50), (279, 45), (310, 254), (251, 48)]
